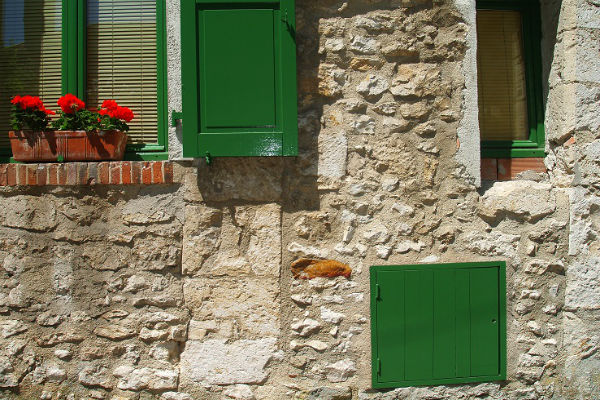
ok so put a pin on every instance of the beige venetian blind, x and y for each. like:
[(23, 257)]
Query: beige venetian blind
[(121, 60), (30, 54), (501, 76)]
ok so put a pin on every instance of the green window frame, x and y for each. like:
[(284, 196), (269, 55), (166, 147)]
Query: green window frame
[(74, 17), (531, 29), (434, 324), (253, 42)]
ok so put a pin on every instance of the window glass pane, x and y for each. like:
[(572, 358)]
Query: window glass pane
[(30, 54), (501, 76), (121, 60)]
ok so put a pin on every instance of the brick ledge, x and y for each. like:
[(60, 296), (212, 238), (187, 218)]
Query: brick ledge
[(87, 173)]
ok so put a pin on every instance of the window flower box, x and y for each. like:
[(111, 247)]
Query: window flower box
[(79, 134), (45, 146)]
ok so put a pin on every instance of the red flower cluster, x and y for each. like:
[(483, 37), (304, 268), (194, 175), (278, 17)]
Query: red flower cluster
[(70, 103), (31, 102), (113, 110)]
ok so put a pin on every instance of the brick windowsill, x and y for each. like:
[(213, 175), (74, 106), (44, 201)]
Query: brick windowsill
[(505, 169), (87, 173)]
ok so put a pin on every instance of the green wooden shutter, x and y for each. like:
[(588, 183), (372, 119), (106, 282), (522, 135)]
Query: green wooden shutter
[(30, 55), (239, 78), (121, 61), (438, 323)]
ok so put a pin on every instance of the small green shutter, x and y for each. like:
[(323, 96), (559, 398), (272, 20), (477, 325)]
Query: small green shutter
[(438, 323), (238, 78)]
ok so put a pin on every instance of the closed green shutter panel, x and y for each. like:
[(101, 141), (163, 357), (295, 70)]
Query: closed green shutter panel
[(239, 78), (30, 55), (121, 61), (438, 323)]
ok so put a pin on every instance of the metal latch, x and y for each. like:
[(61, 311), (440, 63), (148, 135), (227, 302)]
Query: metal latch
[(176, 116)]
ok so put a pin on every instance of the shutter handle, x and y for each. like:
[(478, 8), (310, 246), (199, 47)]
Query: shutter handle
[(176, 116)]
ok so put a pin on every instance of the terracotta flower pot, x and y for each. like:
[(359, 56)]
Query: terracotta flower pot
[(29, 146)]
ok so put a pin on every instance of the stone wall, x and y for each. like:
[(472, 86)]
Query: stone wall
[(185, 291)]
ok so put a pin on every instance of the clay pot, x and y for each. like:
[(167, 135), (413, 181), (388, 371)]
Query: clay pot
[(29, 146)]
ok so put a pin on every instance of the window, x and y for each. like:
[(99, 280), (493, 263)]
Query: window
[(438, 324), (95, 49), (509, 79), (238, 78)]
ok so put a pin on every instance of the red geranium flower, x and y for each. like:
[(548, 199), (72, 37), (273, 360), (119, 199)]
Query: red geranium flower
[(70, 103), (109, 105), (123, 113), (28, 102)]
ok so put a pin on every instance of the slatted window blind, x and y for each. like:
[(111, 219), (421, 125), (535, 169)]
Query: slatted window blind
[(30, 54), (501, 76), (121, 60)]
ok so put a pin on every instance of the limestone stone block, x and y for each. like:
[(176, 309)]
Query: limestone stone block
[(524, 200), (372, 86), (363, 125), (332, 156), (330, 393), (364, 45), (331, 80), (218, 362), (583, 233), (252, 303), (583, 284), (33, 213), (239, 392), (131, 378), (494, 243), (340, 371)]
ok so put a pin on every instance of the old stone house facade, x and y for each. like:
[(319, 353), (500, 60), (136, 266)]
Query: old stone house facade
[(172, 279)]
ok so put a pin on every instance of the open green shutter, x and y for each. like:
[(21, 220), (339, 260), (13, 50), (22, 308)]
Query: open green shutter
[(239, 78), (121, 61), (438, 323), (30, 55)]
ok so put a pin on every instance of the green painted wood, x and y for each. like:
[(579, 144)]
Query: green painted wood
[(444, 324), (238, 78), (484, 322), (390, 334), (462, 318), (418, 324), (238, 69), (438, 324)]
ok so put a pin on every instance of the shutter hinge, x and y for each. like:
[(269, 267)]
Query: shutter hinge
[(378, 366), (176, 116)]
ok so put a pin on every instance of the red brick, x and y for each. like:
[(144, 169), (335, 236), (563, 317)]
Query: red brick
[(62, 174), (157, 173), (3, 174), (126, 172), (136, 172), (82, 173), (92, 171), (71, 174), (42, 175), (32, 174), (168, 166), (53, 174), (146, 173), (21, 174), (103, 173), (115, 173), (509, 168), (11, 175), (489, 169)]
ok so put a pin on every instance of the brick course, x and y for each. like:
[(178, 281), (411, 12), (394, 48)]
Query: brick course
[(92, 173)]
